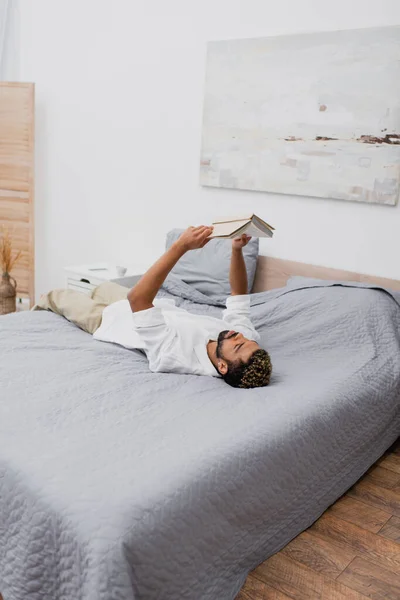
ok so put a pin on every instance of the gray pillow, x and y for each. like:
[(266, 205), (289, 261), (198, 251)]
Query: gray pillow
[(207, 269)]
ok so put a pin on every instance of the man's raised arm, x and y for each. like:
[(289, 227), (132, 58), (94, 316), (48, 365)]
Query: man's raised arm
[(237, 272), (141, 296)]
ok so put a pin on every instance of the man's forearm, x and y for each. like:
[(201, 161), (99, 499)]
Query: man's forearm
[(141, 296), (238, 273)]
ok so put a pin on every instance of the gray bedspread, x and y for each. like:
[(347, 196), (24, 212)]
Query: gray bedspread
[(118, 483)]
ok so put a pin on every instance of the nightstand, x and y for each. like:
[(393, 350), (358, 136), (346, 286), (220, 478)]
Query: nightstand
[(84, 278)]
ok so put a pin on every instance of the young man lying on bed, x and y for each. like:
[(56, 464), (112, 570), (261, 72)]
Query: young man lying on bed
[(177, 341), (174, 340)]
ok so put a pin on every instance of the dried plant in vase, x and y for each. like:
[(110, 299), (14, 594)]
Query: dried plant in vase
[(8, 285)]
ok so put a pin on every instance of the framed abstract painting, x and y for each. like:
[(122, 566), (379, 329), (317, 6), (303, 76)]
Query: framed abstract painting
[(312, 114)]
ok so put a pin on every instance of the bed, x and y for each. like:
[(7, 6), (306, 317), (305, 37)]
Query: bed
[(118, 483)]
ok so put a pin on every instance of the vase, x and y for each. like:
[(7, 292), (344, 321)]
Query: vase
[(8, 294)]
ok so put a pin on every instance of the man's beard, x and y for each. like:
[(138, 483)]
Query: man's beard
[(223, 336)]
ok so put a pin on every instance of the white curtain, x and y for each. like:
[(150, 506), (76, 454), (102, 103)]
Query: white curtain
[(4, 6)]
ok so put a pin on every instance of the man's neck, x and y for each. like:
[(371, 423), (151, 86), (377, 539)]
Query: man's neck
[(212, 352)]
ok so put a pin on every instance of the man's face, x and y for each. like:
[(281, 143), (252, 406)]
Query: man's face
[(233, 346)]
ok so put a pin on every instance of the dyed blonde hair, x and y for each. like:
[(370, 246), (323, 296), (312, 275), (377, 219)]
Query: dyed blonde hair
[(255, 373)]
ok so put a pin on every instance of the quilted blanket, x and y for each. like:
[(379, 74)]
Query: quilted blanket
[(121, 484)]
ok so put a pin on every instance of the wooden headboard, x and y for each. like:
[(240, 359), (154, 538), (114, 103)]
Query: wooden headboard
[(17, 179), (274, 272)]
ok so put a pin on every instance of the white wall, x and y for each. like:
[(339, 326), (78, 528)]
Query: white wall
[(119, 108), (10, 47)]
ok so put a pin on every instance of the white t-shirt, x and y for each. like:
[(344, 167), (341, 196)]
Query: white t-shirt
[(174, 340)]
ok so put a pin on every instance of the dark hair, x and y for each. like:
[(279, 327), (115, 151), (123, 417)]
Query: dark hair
[(255, 373)]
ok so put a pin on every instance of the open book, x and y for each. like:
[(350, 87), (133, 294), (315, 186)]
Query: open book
[(234, 227)]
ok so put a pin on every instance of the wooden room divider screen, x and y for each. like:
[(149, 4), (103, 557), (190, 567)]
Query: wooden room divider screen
[(17, 178)]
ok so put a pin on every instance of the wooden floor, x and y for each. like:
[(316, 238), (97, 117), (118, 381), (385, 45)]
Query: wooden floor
[(351, 553)]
